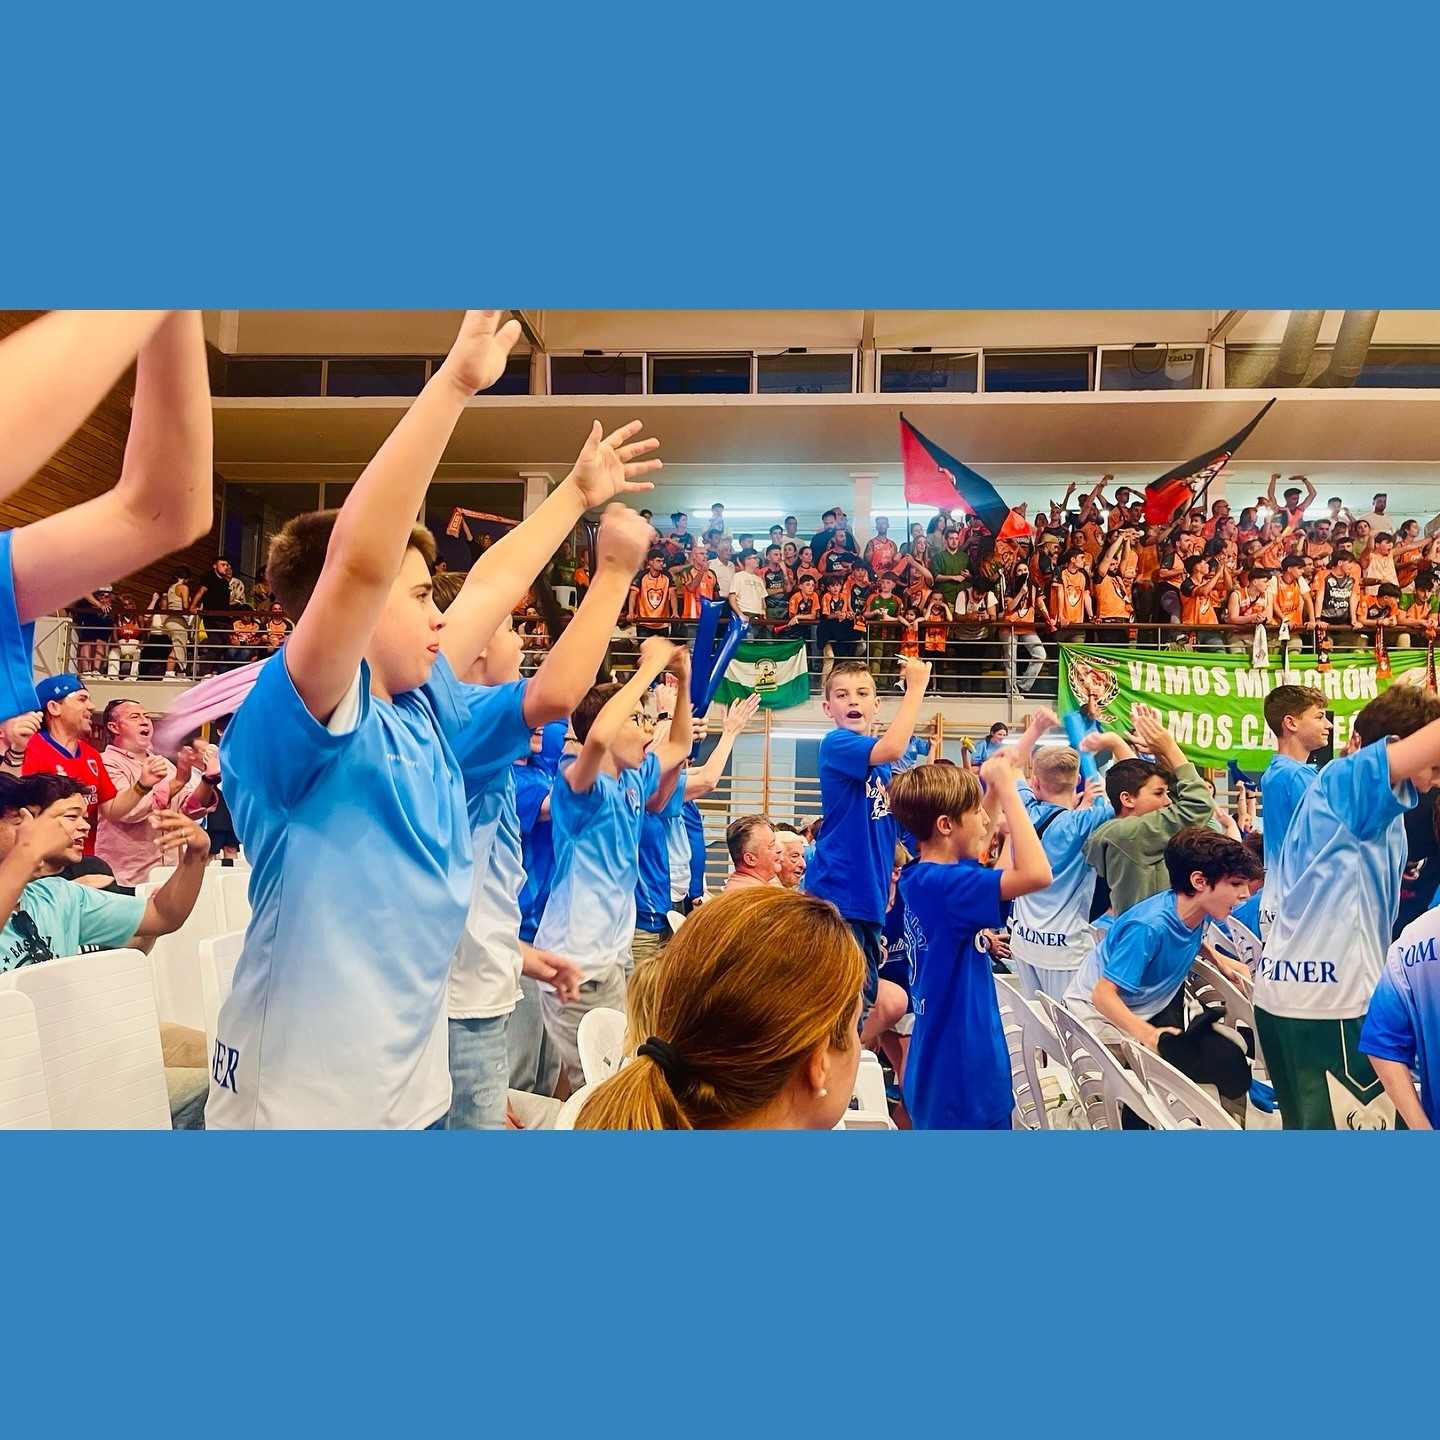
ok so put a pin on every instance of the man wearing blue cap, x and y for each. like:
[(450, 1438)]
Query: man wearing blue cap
[(60, 747)]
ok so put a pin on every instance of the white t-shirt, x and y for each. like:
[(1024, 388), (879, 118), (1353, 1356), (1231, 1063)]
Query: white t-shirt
[(749, 590), (724, 572)]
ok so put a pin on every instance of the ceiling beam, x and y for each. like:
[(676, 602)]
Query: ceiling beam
[(530, 325), (1228, 321)]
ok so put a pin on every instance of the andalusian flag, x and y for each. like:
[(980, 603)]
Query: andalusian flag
[(772, 669)]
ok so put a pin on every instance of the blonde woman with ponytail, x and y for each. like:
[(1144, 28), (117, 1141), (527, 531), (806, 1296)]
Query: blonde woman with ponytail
[(755, 1017)]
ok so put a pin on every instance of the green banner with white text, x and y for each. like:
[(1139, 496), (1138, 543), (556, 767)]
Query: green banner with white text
[(1213, 704)]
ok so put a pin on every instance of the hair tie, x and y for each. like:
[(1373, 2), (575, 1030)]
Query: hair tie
[(671, 1065)]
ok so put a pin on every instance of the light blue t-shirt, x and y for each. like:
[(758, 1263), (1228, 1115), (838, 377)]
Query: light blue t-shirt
[(1281, 786), (1146, 954), (856, 849), (70, 918), (957, 1074), (1403, 1021), (485, 975), (17, 646), (1050, 929), (360, 842), (1335, 890), (590, 916), (653, 888)]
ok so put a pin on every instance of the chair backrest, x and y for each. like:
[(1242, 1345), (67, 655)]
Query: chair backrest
[(99, 1039), (1176, 1099), (1102, 1084), (24, 1103), (175, 959), (676, 920), (570, 1110), (158, 875), (600, 1040), (1028, 1036), (870, 1085), (865, 1120), (218, 957), (1245, 944), (234, 895)]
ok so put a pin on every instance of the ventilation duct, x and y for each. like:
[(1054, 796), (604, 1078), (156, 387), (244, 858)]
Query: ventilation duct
[(1352, 345), (1297, 349)]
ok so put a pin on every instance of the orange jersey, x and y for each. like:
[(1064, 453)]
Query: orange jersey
[(1067, 607), (697, 585), (1197, 608), (935, 634), (804, 607), (652, 596), (1112, 597), (910, 640), (1289, 604)]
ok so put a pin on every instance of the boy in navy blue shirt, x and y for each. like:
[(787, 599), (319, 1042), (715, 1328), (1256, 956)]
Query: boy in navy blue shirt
[(957, 1074), (856, 848)]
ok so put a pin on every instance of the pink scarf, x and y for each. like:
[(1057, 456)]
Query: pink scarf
[(207, 701)]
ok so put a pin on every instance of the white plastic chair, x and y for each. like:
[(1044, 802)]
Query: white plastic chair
[(99, 1040), (1102, 1085), (1176, 1099), (234, 895), (1233, 938), (870, 1086), (676, 920), (218, 958), (865, 1120), (24, 1103), (175, 959), (1028, 1037), (600, 1040), (570, 1110)]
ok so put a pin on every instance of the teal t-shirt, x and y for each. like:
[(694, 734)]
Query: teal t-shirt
[(69, 918)]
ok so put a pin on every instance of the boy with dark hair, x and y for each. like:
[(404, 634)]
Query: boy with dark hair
[(652, 597), (957, 1072), (346, 791), (596, 810), (1128, 852), (1133, 983), (1335, 889), (853, 856), (1296, 717)]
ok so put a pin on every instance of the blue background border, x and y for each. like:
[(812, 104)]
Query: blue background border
[(757, 155)]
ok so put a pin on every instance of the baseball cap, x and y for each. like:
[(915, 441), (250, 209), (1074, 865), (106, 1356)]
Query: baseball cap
[(57, 687)]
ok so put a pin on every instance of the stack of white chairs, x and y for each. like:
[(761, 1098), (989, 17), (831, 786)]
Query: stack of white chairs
[(223, 906), (99, 1038), (1177, 1101), (1035, 1056), (1103, 1086), (24, 1102), (218, 957)]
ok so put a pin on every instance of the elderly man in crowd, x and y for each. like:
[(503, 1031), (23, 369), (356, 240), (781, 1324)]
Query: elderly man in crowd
[(754, 852), (792, 856), (131, 845)]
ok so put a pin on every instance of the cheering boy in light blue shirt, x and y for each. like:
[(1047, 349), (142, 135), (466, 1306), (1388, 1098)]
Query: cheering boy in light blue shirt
[(1296, 717), (1402, 1026), (856, 848), (597, 809)]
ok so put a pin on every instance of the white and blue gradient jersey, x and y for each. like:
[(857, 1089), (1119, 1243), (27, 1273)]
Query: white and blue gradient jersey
[(1282, 785)]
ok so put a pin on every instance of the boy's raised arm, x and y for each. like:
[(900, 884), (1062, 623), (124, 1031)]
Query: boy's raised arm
[(163, 500), (608, 466), (656, 655), (702, 779), (372, 532), (568, 671), (1415, 754), (891, 746), (53, 373)]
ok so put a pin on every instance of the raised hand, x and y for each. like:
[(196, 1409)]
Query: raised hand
[(1044, 720), (175, 829), (915, 674), (610, 465), (153, 771), (658, 652), (1001, 770), (47, 839), (624, 540), (740, 714), (477, 358)]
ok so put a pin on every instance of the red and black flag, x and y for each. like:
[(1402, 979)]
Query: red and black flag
[(935, 478), (1176, 488)]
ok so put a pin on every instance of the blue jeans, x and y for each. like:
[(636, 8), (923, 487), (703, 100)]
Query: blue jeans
[(479, 1074), (870, 936), (534, 1060)]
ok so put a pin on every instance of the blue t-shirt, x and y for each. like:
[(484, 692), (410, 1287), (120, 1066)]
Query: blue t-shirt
[(1403, 1021), (360, 842), (1335, 890), (1146, 954), (590, 917), (485, 976), (652, 890), (17, 645), (1249, 914), (1282, 785), (902, 944), (856, 849), (533, 781), (70, 918), (957, 1074), (1050, 929)]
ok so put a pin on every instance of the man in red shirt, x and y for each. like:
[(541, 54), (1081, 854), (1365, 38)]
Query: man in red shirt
[(60, 748)]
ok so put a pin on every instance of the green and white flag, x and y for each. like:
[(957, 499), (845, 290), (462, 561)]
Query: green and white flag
[(772, 669)]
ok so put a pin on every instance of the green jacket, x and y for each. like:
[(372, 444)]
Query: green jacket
[(1128, 852)]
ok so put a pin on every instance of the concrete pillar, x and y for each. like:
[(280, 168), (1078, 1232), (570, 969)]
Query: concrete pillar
[(537, 487), (862, 500), (539, 373)]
